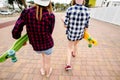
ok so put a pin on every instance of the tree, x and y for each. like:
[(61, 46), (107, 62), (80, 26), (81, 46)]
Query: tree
[(87, 3), (61, 7), (57, 6), (24, 3), (19, 3), (11, 3)]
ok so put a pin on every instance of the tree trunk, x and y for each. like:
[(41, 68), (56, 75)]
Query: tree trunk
[(23, 1), (13, 6), (18, 4)]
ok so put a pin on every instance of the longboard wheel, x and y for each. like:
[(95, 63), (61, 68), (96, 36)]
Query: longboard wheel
[(89, 45), (89, 39), (14, 59), (11, 53)]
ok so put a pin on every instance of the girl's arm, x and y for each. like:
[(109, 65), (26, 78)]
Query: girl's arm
[(16, 32), (62, 19)]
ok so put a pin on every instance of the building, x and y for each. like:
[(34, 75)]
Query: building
[(3, 3), (107, 3)]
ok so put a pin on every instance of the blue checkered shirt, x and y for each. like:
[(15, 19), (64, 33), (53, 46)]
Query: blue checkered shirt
[(76, 19)]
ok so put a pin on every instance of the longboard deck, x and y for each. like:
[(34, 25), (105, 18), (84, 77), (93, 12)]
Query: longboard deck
[(15, 47)]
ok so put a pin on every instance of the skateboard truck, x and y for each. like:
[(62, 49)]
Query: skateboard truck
[(89, 39), (90, 44), (11, 53)]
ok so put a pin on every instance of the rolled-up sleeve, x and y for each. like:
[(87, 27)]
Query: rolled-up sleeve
[(52, 23), (16, 32)]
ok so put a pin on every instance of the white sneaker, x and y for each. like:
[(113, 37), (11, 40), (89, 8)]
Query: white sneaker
[(48, 75), (42, 71)]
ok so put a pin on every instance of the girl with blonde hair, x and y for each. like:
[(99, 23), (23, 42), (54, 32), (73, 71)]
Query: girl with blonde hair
[(39, 21)]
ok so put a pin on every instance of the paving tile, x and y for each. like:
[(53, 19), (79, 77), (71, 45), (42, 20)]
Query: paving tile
[(91, 73), (76, 72), (90, 78), (105, 78), (83, 73), (37, 77), (18, 76), (98, 73), (30, 76), (54, 77), (64, 78), (4, 75), (57, 72), (75, 78), (98, 78)]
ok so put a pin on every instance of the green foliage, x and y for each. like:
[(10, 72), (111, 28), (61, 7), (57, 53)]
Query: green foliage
[(19, 3), (60, 7), (87, 3), (10, 2)]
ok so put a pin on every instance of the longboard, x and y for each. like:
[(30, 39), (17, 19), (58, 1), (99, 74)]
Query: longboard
[(91, 40), (16, 46)]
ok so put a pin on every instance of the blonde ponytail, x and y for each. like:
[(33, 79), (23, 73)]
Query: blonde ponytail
[(39, 10)]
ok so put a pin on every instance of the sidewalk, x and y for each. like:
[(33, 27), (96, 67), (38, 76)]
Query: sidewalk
[(100, 62)]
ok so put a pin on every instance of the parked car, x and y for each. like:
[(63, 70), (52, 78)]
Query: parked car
[(6, 12)]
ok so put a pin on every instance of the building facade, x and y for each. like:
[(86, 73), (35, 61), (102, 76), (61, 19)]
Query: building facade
[(107, 3)]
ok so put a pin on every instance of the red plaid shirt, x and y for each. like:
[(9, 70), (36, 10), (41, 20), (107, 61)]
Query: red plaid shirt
[(39, 32)]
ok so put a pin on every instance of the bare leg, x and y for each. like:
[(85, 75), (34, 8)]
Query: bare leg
[(43, 64), (69, 51), (43, 61), (47, 65), (75, 47)]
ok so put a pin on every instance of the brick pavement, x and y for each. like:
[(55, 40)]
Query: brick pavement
[(100, 62), (5, 24)]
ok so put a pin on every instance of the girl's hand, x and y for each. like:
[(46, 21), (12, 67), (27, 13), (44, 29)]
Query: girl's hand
[(62, 19), (65, 26), (86, 29), (24, 43)]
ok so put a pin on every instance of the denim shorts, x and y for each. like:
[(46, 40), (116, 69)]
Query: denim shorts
[(47, 52)]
